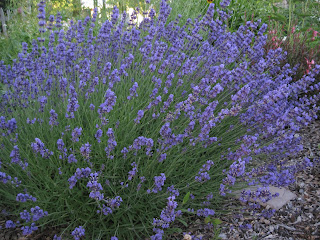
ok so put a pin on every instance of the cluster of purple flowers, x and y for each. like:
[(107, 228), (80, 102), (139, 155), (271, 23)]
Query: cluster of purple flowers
[(39, 147), (80, 173), (35, 214), (133, 172), (108, 104), (27, 230), (112, 204), (159, 182), (72, 102), (203, 174), (61, 149), (167, 216), (111, 143), (76, 133), (10, 125), (10, 224), (139, 117), (24, 197), (53, 118), (15, 157), (137, 144), (85, 150), (42, 17), (133, 91), (98, 135), (78, 232), (95, 187)]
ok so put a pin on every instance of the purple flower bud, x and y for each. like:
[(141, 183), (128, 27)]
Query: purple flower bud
[(78, 232)]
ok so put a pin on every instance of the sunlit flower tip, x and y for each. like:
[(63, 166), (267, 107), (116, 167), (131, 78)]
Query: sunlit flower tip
[(210, 1), (187, 236)]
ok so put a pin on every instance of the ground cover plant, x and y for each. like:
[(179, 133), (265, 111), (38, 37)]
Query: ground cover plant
[(119, 135)]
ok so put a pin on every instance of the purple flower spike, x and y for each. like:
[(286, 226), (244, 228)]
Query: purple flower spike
[(159, 182), (10, 224), (78, 232), (76, 133), (85, 150), (139, 117)]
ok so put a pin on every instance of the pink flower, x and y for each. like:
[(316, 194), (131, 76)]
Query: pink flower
[(314, 34), (309, 65)]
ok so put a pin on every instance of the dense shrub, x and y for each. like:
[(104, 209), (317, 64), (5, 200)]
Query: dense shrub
[(125, 133), (302, 48)]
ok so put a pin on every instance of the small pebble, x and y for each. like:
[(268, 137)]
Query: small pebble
[(223, 236)]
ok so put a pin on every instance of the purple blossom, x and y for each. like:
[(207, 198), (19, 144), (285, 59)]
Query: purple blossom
[(85, 150), (53, 118), (41, 16), (43, 101), (142, 141), (39, 147), (72, 103), (98, 135), (162, 157), (25, 215), (268, 213), (80, 173), (139, 117), (237, 169), (72, 181), (132, 172), (206, 212), (110, 101), (224, 3), (15, 155), (124, 151), (76, 133), (78, 232), (159, 182), (168, 215), (55, 237), (112, 204), (245, 226), (95, 187), (4, 177), (173, 191), (27, 230), (24, 197), (111, 143), (203, 175), (37, 213), (10, 224), (133, 91), (72, 159)]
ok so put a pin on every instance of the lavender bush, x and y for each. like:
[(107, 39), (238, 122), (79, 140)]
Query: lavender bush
[(121, 134)]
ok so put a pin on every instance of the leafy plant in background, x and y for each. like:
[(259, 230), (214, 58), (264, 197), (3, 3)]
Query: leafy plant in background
[(107, 136), (248, 10), (302, 48), (21, 28)]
